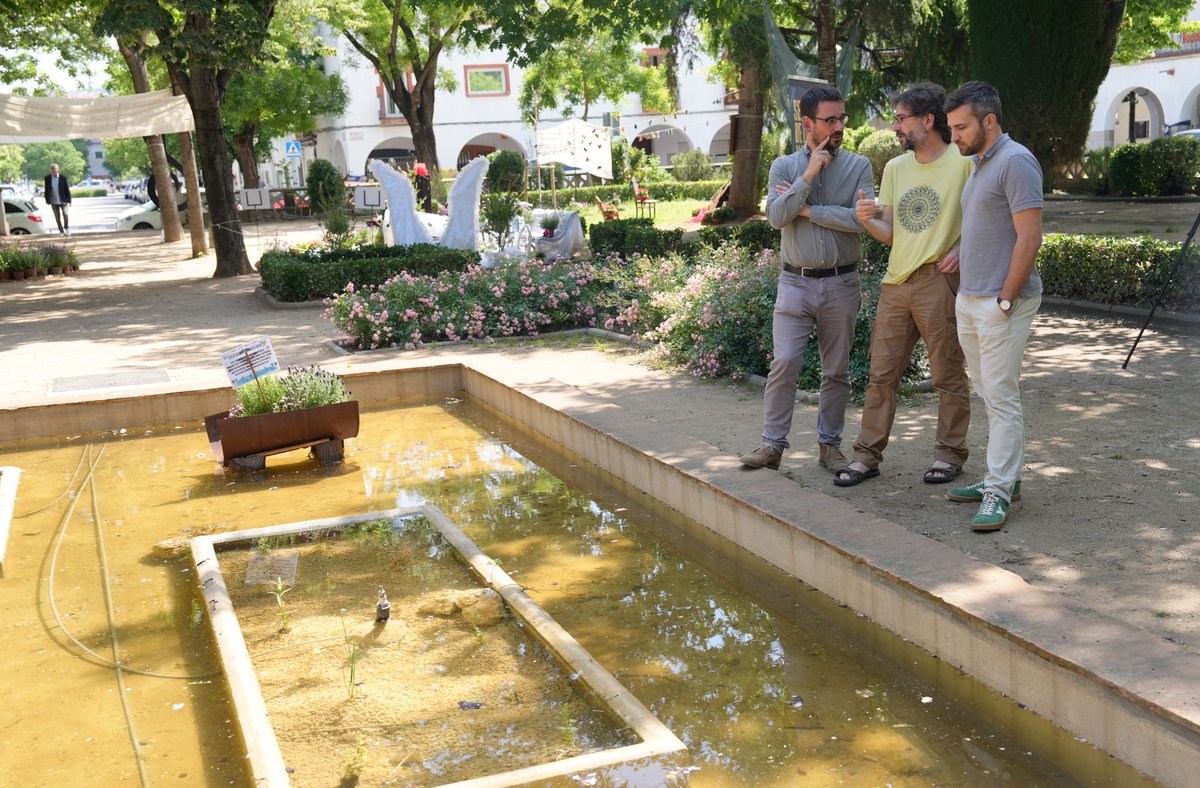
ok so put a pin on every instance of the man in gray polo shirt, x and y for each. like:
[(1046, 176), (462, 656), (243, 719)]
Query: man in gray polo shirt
[(1000, 289), (810, 198)]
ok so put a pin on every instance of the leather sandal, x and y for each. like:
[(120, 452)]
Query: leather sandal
[(853, 476), (937, 475)]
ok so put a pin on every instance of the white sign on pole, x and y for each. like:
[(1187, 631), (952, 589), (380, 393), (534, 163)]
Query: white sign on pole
[(252, 359), (291, 149), (368, 198), (254, 199)]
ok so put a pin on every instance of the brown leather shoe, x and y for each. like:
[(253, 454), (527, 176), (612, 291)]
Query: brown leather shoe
[(831, 458), (764, 456)]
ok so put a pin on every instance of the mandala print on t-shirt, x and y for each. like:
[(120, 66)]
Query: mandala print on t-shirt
[(919, 209)]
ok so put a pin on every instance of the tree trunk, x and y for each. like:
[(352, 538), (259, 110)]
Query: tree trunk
[(743, 189), (205, 98), (194, 208), (167, 203), (827, 41), (244, 143)]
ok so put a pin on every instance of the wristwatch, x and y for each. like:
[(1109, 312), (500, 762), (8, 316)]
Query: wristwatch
[(1004, 303)]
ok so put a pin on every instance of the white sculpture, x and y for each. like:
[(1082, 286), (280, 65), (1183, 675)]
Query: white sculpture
[(462, 231)]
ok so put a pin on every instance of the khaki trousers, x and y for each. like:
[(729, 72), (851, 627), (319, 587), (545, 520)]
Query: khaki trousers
[(921, 306)]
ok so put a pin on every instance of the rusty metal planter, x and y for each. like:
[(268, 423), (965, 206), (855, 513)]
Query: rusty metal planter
[(246, 441)]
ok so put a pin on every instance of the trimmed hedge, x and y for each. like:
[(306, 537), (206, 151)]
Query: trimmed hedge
[(314, 274), (659, 190), (1128, 271), (754, 235)]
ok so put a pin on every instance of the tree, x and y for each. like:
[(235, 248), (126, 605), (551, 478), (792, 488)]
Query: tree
[(11, 159), (403, 42), (1048, 92), (126, 158), (284, 95), (1148, 25), (40, 155), (204, 44), (595, 67)]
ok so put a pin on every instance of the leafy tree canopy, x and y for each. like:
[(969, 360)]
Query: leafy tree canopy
[(11, 159), (40, 155), (578, 73), (1148, 25)]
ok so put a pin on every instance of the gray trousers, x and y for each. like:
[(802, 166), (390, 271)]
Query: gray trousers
[(830, 304), (60, 216)]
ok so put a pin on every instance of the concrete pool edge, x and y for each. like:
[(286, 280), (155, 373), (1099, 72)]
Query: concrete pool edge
[(266, 760), (1123, 689)]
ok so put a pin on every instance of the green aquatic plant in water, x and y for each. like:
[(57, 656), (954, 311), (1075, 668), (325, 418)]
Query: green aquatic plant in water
[(351, 660), (282, 614)]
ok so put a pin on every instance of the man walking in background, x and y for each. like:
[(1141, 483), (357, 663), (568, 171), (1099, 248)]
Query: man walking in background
[(57, 194), (810, 199), (922, 221), (1000, 288)]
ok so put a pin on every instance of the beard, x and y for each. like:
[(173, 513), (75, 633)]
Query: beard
[(969, 146)]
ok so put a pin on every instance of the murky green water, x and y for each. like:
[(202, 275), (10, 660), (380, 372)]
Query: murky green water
[(767, 681)]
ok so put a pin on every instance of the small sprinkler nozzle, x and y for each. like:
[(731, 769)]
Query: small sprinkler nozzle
[(383, 608)]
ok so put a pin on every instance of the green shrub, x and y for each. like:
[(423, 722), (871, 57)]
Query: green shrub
[(1095, 167), (1127, 271), (852, 138), (497, 214), (101, 192), (313, 274), (664, 191), (326, 189), (880, 147), (650, 241), (693, 165), (1130, 173), (753, 235), (620, 159), (609, 237), (506, 172), (1175, 161)]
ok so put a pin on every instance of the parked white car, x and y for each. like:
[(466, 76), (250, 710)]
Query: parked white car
[(25, 218), (147, 216), (140, 217)]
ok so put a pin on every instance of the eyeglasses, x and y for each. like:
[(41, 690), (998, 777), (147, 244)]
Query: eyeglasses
[(900, 117), (833, 120)]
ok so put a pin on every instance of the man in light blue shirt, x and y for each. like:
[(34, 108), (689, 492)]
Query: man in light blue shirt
[(1000, 289)]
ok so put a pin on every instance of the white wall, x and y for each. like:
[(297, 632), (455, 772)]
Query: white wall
[(461, 120)]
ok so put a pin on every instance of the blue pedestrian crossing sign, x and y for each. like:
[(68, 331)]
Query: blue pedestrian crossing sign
[(292, 149)]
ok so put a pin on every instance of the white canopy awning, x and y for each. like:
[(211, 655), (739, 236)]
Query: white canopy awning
[(575, 143), (46, 118)]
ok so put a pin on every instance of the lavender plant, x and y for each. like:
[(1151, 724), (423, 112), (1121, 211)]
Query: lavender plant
[(300, 388)]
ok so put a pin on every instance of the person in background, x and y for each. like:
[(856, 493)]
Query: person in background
[(922, 221), (810, 199), (1000, 289), (57, 193)]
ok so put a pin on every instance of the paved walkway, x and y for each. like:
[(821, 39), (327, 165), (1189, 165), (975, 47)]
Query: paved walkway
[(1111, 465)]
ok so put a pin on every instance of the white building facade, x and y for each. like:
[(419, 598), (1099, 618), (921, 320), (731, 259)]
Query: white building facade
[(480, 115), (1163, 92)]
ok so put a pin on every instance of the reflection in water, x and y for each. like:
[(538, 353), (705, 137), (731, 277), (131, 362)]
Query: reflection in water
[(767, 681)]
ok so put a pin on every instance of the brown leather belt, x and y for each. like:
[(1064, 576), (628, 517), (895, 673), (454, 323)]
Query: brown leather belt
[(817, 273)]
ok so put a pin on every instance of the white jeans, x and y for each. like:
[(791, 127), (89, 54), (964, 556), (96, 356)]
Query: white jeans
[(994, 346)]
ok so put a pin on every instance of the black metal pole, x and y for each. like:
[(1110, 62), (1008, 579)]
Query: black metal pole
[(1170, 275)]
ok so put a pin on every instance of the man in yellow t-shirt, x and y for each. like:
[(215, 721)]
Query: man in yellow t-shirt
[(921, 219)]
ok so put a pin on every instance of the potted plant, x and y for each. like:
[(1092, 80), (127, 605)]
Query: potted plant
[(549, 224), (308, 408)]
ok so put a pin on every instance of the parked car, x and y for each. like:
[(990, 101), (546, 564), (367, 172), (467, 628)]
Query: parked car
[(147, 216), (24, 218)]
